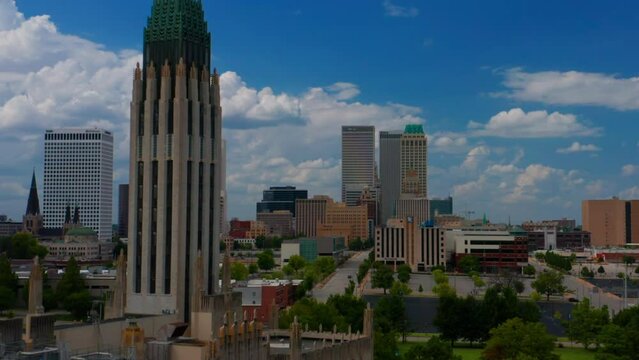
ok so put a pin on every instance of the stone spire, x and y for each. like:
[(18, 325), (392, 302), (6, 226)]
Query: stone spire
[(368, 321), (33, 204), (296, 340), (117, 301), (67, 215), (76, 215), (226, 272), (35, 288)]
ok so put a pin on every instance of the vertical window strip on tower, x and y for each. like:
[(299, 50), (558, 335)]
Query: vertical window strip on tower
[(154, 236), (187, 262), (138, 239), (212, 235), (168, 227)]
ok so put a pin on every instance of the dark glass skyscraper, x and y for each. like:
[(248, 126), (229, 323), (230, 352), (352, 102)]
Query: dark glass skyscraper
[(280, 198)]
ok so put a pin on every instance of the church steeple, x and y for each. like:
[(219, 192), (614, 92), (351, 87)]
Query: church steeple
[(33, 204)]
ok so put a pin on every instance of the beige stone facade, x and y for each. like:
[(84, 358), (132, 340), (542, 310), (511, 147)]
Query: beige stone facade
[(175, 181), (321, 216)]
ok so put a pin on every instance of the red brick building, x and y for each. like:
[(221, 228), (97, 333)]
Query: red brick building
[(260, 295)]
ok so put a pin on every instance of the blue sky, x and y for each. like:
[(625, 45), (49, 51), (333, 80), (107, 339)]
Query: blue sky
[(530, 106)]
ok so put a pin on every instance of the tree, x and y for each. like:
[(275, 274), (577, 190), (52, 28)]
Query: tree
[(25, 246), (587, 273), (8, 279), (628, 260), (540, 256), (469, 264), (252, 268), (601, 270), (529, 270), (442, 287), (356, 244), (400, 288), (310, 311), (382, 277), (616, 343), (78, 304), (7, 298), (239, 271), (516, 339), (351, 308), (325, 265), (472, 320), (519, 286), (297, 262), (618, 340), (265, 260), (288, 270), (71, 282), (385, 345), (403, 273), (478, 282), (421, 289), (433, 349), (448, 318), (363, 268), (390, 314), (586, 323), (558, 261), (549, 282)]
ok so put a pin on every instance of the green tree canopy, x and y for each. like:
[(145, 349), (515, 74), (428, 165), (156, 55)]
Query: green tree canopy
[(265, 260), (351, 308), (529, 270), (403, 273), (239, 271), (433, 349), (586, 323), (549, 282), (325, 265), (442, 287), (78, 304), (382, 277), (297, 262), (8, 278), (469, 264), (252, 268), (25, 246), (71, 281), (516, 339)]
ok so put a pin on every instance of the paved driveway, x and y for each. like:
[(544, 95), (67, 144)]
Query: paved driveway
[(339, 281)]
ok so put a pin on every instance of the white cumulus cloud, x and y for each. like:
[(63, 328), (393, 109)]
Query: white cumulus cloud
[(573, 88), (516, 123), (577, 147)]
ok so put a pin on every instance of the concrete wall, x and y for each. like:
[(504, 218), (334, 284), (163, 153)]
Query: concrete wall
[(88, 337)]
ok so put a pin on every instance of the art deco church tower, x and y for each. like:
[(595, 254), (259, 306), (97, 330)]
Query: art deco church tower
[(176, 125)]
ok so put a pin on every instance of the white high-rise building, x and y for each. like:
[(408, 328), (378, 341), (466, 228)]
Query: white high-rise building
[(78, 171), (358, 162)]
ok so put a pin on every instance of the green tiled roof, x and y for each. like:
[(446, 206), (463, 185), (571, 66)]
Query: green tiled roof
[(414, 129), (81, 231)]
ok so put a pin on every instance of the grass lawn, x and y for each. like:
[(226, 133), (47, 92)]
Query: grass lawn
[(474, 353)]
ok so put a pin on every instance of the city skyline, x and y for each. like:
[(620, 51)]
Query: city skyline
[(507, 150)]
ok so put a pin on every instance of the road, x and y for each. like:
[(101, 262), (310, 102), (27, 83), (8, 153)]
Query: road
[(340, 278)]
